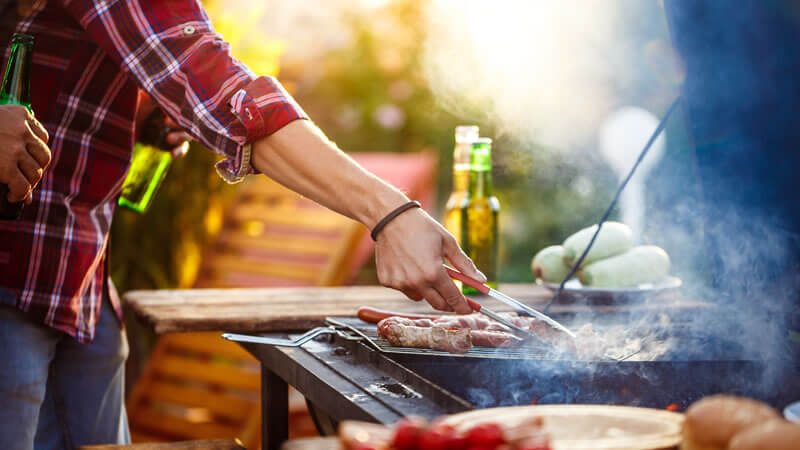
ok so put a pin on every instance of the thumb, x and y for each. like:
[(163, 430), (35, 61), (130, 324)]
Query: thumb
[(461, 261)]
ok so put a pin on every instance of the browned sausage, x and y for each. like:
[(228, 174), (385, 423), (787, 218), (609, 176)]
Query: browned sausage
[(374, 315)]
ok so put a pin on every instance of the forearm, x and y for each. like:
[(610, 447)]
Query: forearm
[(300, 157)]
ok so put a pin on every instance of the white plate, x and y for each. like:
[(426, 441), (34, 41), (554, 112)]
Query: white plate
[(588, 427), (574, 287)]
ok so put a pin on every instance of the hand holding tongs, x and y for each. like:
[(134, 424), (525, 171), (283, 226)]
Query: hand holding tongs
[(484, 289)]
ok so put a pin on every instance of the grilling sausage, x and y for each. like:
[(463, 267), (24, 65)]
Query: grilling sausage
[(401, 332), (374, 315), (493, 338), (481, 332), (410, 331)]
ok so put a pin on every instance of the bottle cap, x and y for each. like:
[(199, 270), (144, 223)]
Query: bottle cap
[(466, 133), (20, 38), (481, 160)]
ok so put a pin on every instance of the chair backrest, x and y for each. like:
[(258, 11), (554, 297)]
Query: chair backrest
[(195, 386), (274, 237)]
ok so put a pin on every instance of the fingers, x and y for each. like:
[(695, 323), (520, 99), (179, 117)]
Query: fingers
[(437, 288), (460, 260), (412, 294), (18, 187), (435, 300), (37, 128), (30, 169), (451, 294), (145, 108), (38, 150), (178, 137), (181, 150), (172, 124)]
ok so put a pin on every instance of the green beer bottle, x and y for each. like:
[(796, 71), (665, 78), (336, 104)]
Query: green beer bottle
[(465, 136), (16, 90), (479, 214), (151, 159)]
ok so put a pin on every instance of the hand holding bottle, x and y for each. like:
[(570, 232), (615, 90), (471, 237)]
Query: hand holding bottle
[(159, 141), (23, 152), (155, 129)]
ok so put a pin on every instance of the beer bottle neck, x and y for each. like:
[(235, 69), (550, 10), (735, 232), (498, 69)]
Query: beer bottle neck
[(461, 179), (481, 170), (480, 184), (16, 81), (461, 167)]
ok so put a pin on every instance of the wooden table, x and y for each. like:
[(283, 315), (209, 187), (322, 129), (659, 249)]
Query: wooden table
[(290, 309), (286, 309), (330, 443)]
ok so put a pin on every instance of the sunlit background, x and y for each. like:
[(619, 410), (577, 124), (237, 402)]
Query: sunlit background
[(543, 78)]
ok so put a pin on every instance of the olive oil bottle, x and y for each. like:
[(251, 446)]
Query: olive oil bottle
[(465, 136), (16, 90), (479, 214)]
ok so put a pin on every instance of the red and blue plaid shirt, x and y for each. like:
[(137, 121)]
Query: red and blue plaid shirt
[(90, 57)]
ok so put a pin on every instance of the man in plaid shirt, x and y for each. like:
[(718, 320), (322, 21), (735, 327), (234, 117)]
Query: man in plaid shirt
[(63, 351)]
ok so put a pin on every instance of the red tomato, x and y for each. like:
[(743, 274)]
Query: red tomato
[(456, 442), (488, 435), (407, 434), (438, 437)]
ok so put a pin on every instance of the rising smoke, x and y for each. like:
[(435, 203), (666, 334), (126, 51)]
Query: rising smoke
[(538, 70), (550, 71)]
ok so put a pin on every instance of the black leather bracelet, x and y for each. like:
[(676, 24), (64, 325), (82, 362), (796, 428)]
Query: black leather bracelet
[(389, 217)]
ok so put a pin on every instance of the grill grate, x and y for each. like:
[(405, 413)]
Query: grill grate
[(370, 336)]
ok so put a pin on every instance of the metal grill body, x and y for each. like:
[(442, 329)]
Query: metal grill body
[(350, 374)]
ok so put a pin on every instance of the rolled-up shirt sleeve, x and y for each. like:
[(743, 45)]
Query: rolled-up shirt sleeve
[(172, 51)]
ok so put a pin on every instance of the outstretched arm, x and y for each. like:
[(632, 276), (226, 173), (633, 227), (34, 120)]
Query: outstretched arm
[(187, 69), (410, 249)]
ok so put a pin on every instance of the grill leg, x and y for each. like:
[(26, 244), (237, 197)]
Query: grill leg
[(274, 410)]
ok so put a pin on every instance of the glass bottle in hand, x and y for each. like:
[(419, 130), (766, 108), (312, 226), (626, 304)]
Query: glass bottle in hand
[(151, 159), (16, 90)]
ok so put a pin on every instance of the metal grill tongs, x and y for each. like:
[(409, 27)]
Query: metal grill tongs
[(484, 289), (309, 335)]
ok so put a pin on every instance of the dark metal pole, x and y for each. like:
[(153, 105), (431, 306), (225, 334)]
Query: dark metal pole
[(274, 410)]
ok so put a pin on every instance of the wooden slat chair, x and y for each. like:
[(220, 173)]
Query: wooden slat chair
[(274, 237), (195, 386), (198, 386)]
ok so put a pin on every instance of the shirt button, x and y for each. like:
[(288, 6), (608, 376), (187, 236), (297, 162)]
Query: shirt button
[(188, 29)]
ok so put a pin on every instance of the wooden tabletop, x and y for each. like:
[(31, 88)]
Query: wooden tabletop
[(329, 443), (285, 309)]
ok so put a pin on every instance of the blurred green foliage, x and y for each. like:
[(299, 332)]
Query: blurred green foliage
[(152, 250), (370, 95), (543, 197)]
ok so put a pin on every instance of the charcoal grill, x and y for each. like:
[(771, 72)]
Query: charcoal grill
[(348, 373)]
